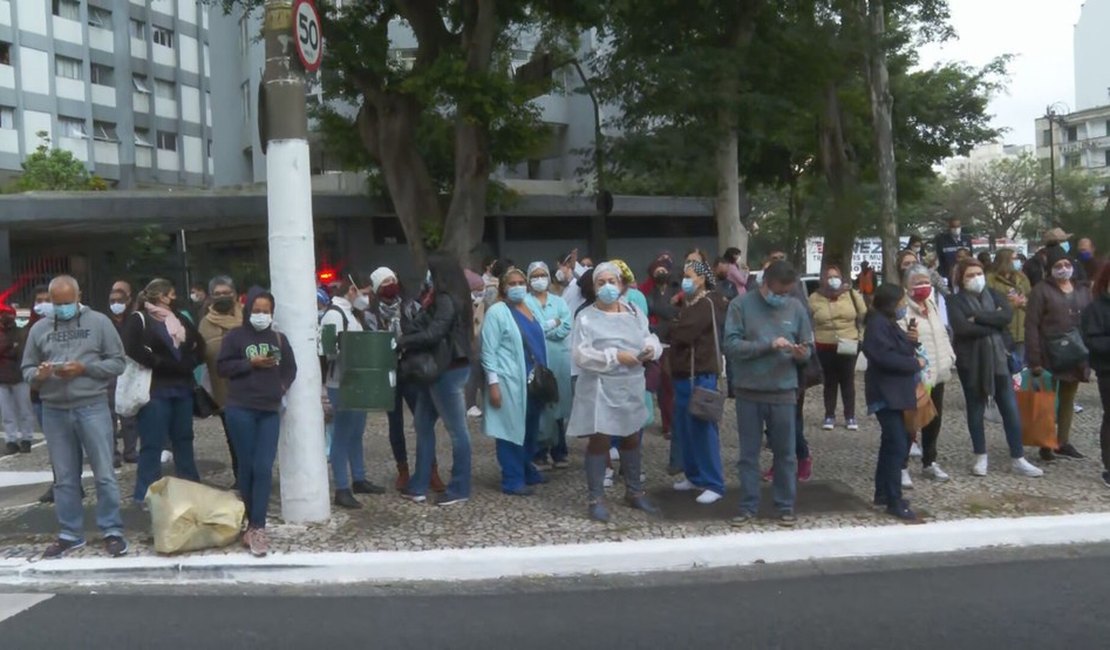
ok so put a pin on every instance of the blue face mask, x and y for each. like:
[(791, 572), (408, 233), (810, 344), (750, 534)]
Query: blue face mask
[(1086, 256), (608, 294), (1017, 265), (900, 313), (66, 311), (688, 287), (775, 300), (516, 294), (1065, 246)]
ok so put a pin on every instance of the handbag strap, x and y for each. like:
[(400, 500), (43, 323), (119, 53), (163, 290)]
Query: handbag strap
[(716, 346), (527, 345)]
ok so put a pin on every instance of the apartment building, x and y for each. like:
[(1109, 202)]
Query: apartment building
[(123, 84)]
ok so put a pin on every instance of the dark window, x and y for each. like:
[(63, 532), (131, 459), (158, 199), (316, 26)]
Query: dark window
[(1073, 133), (167, 141), (1071, 161), (1046, 138), (5, 53), (1107, 152)]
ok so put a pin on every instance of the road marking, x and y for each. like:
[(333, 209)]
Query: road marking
[(12, 479), (12, 604)]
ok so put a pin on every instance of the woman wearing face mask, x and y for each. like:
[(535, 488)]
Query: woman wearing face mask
[(388, 313), (348, 462), (445, 319), (891, 383), (554, 316), (1006, 278), (838, 313), (15, 393), (1053, 311), (924, 317), (664, 297), (1095, 323), (979, 317), (161, 338), (513, 345), (259, 366), (222, 315), (694, 337), (610, 343)]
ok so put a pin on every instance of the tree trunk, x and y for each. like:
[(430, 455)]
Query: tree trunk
[(842, 175), (466, 217), (882, 102), (388, 130), (730, 230)]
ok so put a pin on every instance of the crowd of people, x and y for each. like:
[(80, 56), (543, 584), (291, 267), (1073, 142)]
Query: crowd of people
[(545, 354)]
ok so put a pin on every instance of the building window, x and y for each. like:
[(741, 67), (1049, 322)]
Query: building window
[(7, 117), (139, 82), (68, 68), (1107, 152), (105, 131), (1108, 127), (5, 53), (1073, 133), (164, 89), (142, 138), (101, 75), (1071, 161), (244, 34), (163, 36), (70, 9), (245, 91), (138, 30), (72, 127), (210, 148), (167, 141), (101, 18), (1046, 137)]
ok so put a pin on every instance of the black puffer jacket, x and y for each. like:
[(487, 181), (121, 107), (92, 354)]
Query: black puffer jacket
[(1095, 325), (442, 319)]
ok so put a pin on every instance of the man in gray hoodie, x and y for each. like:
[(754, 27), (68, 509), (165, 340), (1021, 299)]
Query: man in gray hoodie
[(70, 358)]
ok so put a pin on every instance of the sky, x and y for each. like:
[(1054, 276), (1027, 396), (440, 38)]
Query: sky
[(1038, 33)]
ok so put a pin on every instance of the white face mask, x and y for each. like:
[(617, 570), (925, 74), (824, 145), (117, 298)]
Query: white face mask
[(261, 321), (44, 309), (539, 285), (955, 231), (834, 283), (117, 308), (361, 303), (976, 284)]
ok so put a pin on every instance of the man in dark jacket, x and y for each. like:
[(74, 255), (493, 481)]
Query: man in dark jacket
[(947, 244)]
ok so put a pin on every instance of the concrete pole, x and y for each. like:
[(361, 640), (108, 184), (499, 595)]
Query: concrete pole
[(304, 470)]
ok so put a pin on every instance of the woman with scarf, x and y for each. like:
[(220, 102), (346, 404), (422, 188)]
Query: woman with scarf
[(838, 313), (513, 344), (979, 317), (387, 313), (554, 315), (694, 337), (161, 338), (1054, 309), (223, 314), (1006, 278)]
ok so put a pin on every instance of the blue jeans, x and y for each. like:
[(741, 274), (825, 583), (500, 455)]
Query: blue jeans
[(515, 460), (67, 432), (751, 419), (164, 417), (346, 444), (443, 400), (699, 440), (254, 435), (894, 447), (403, 394), (1007, 408)]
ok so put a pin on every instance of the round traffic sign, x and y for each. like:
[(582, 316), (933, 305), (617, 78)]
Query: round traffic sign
[(307, 34)]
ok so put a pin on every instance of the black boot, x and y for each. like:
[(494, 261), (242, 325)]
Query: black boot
[(366, 487), (346, 499), (48, 497)]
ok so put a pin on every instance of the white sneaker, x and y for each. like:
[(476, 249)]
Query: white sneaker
[(1078, 408), (684, 486), (936, 473), (915, 450), (907, 482), (474, 413), (608, 477), (1022, 467), (708, 497), (614, 454), (167, 456), (980, 467)]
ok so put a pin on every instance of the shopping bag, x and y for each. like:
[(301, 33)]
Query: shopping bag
[(188, 516), (132, 388), (926, 411), (1037, 408)]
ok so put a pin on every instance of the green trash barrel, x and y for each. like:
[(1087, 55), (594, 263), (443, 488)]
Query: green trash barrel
[(367, 371)]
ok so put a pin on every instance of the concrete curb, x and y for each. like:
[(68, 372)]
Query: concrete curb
[(565, 560)]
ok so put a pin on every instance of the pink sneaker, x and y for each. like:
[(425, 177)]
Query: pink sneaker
[(805, 469), (769, 475)]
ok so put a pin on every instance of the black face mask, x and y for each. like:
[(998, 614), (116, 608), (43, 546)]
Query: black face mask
[(223, 305), (662, 278)]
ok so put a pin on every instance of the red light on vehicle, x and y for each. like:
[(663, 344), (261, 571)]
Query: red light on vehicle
[(326, 276)]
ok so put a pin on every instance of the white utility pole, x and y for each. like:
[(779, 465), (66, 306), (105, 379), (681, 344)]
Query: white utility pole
[(303, 467)]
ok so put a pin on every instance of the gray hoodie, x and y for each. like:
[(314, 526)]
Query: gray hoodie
[(90, 338)]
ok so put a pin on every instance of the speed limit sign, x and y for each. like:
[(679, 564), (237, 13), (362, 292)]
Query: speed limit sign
[(307, 34)]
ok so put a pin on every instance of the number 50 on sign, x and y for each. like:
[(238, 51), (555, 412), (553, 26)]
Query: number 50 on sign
[(308, 36)]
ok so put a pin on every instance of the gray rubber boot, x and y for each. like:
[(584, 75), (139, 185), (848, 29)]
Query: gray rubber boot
[(632, 461), (595, 482)]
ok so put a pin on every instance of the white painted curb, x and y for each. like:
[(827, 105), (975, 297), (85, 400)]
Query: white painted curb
[(635, 557)]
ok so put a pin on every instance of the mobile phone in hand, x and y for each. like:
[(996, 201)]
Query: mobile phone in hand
[(913, 323)]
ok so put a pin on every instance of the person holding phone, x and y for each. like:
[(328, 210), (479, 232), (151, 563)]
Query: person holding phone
[(610, 343)]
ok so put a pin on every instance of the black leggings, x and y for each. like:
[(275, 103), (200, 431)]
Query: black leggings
[(1104, 432), (840, 372)]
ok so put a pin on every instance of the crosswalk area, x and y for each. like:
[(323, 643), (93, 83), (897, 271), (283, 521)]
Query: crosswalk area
[(12, 605)]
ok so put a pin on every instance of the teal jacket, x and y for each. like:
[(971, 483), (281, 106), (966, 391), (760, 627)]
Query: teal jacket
[(557, 321), (503, 355)]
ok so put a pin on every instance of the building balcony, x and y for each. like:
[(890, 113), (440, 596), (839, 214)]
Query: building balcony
[(9, 140), (5, 12), (165, 107), (144, 157), (67, 88), (104, 95), (68, 30), (102, 39), (7, 76), (106, 152), (79, 147), (167, 161), (140, 102)]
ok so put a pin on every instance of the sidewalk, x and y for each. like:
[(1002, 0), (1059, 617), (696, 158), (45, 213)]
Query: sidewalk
[(837, 498)]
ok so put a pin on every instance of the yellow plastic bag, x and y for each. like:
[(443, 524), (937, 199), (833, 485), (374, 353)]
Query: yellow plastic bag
[(188, 516)]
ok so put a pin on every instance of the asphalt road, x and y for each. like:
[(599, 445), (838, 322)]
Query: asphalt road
[(1052, 598)]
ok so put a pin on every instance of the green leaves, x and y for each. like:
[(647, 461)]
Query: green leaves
[(56, 170)]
